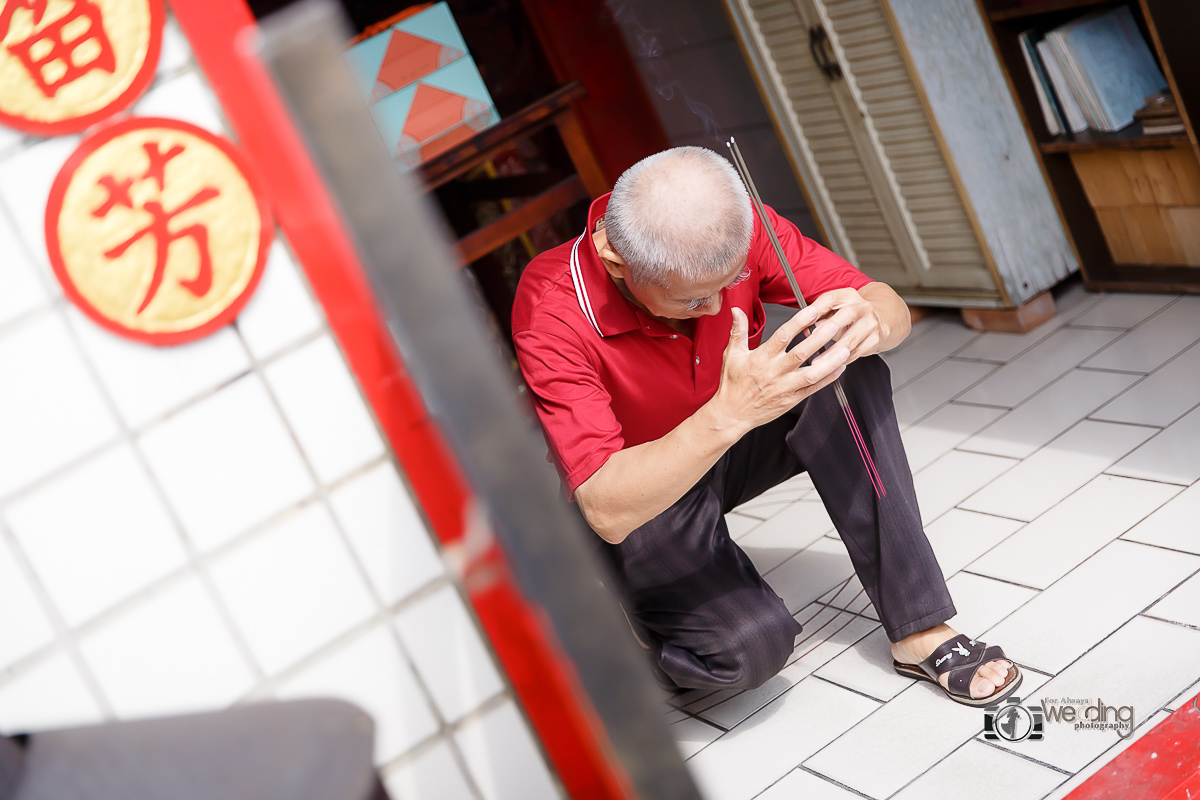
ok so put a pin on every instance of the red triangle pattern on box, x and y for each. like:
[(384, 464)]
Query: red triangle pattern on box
[(438, 120), (409, 58)]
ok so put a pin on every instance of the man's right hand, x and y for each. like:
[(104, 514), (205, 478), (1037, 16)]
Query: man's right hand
[(759, 385), (638, 483)]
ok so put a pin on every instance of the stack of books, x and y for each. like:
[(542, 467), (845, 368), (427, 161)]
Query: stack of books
[(1160, 115), (1093, 72)]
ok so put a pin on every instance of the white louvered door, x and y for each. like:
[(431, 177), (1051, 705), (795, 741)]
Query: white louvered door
[(861, 135)]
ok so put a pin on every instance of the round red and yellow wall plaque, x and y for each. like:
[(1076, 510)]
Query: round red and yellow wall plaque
[(157, 230), (67, 64)]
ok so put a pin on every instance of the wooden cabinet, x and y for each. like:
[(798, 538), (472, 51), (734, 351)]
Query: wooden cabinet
[(1131, 202), (916, 162)]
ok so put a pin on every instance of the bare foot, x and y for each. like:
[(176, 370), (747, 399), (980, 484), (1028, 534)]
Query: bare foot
[(918, 647)]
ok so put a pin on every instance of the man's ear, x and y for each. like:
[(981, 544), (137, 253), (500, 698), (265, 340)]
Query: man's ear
[(616, 269), (611, 259)]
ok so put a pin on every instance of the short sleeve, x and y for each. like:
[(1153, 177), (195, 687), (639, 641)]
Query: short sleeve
[(817, 269), (572, 404)]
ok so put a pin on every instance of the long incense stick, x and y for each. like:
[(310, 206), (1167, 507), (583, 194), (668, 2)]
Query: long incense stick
[(872, 473)]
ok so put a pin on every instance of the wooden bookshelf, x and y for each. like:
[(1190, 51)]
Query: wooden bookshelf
[(1130, 138), (1005, 11), (1130, 202)]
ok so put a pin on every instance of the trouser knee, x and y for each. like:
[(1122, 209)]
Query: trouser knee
[(758, 652)]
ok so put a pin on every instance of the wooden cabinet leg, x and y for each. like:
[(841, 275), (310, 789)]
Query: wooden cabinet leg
[(1012, 320)]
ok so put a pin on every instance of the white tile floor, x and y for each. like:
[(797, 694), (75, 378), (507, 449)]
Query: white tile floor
[(1053, 472)]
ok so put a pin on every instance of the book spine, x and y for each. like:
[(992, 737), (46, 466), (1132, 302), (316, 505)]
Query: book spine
[(1045, 94), (1074, 78), (1076, 122), (1104, 117)]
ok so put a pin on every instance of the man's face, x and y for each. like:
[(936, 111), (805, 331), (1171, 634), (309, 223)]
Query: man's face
[(684, 300)]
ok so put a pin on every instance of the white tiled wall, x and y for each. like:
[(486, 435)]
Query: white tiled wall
[(216, 523)]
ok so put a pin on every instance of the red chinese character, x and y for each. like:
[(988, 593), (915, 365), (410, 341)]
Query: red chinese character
[(159, 227), (35, 7), (66, 49)]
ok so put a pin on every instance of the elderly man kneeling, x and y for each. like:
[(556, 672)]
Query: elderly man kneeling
[(640, 341)]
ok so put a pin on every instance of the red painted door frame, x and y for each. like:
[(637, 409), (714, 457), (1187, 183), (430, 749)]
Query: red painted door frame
[(221, 34)]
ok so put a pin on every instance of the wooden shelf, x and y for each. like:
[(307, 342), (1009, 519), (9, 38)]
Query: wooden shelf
[(1019, 12), (1130, 138), (1143, 278), (1124, 197)]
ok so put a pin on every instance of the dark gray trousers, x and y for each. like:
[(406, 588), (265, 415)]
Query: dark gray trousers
[(712, 619)]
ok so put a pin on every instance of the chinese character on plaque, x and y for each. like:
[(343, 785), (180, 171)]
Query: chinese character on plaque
[(66, 64), (156, 230)]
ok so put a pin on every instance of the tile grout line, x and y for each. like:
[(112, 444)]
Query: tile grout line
[(1161, 428), (816, 774), (968, 571), (1087, 415), (1024, 524), (1045, 340), (127, 437), (917, 376), (1046, 446), (1176, 623), (206, 558), (945, 402), (381, 614), (1060, 578), (63, 638), (136, 433), (852, 690), (385, 615), (1030, 759)]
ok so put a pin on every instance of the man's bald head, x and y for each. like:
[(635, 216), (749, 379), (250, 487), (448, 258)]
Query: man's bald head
[(679, 216)]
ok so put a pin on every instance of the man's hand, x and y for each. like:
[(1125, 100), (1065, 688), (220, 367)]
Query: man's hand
[(870, 320), (857, 324), (759, 385)]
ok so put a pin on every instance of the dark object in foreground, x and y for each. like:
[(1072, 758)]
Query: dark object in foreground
[(303, 750)]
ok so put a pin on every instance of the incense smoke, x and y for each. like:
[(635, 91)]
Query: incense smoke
[(647, 46)]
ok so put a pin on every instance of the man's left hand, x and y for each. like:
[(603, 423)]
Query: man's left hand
[(860, 327), (870, 320)]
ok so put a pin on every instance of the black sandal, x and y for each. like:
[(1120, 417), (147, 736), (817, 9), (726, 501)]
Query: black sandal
[(962, 657)]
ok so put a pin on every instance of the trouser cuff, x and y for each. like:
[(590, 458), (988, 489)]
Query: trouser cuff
[(923, 624)]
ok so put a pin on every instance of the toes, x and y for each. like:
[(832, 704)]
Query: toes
[(989, 678)]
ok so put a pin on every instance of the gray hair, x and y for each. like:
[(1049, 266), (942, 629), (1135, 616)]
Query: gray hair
[(679, 215)]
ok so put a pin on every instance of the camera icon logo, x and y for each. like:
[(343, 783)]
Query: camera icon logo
[(1012, 721)]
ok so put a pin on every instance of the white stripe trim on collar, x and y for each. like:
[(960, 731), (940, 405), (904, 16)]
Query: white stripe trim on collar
[(585, 304)]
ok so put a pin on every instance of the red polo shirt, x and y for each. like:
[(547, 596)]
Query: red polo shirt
[(605, 375)]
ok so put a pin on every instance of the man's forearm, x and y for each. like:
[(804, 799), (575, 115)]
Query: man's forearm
[(637, 484)]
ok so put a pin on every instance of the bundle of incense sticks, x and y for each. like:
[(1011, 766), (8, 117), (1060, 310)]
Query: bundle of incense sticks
[(872, 473)]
